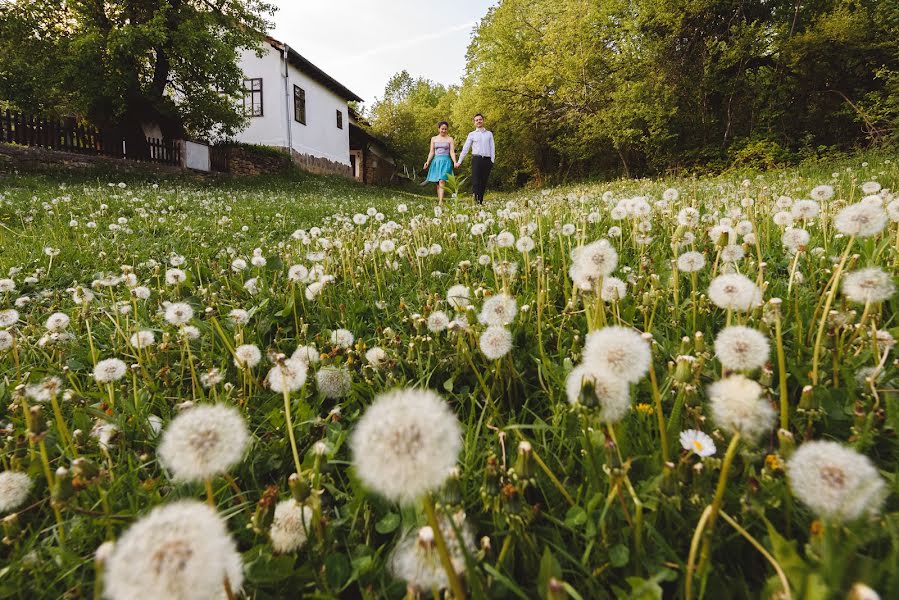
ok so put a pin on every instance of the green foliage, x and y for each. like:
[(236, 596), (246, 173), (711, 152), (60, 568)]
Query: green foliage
[(126, 62), (577, 88)]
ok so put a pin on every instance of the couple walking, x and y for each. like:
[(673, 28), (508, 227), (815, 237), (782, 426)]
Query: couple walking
[(442, 157)]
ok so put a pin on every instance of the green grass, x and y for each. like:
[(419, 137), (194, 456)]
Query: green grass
[(569, 511)]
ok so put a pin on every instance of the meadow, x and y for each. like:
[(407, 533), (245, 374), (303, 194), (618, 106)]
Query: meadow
[(300, 387)]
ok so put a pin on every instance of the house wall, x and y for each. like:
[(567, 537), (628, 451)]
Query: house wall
[(268, 129), (318, 146)]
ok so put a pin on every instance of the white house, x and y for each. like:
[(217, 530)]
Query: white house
[(292, 104)]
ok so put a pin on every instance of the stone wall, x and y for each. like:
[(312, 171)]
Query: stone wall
[(244, 161), (321, 166), (15, 158)]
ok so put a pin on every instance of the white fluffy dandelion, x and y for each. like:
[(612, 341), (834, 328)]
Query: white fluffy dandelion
[(6, 340), (291, 526), (868, 285), (179, 313), (376, 357), (860, 220), (835, 481), (57, 322), (495, 342), (342, 337), (498, 310), (289, 375), (143, 339), (613, 289), (14, 489), (741, 348), (247, 356), (690, 262), (458, 297), (406, 444), (595, 388), (437, 321), (109, 370), (415, 559), (333, 382), (307, 354), (733, 291), (738, 407), (8, 317), (618, 351), (180, 551), (203, 442)]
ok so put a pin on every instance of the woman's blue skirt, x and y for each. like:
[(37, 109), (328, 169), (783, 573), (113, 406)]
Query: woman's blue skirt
[(441, 168)]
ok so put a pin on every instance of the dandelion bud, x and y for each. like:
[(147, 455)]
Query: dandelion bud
[(452, 489), (787, 442), (265, 510), (299, 487), (699, 342), (426, 538), (485, 544), (84, 469), (555, 590), (62, 489), (684, 345), (860, 591), (684, 368), (11, 528), (524, 464), (807, 400), (37, 425)]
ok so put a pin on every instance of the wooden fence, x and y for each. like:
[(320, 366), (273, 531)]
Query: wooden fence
[(68, 135)]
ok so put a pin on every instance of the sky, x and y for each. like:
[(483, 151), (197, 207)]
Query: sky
[(362, 43)]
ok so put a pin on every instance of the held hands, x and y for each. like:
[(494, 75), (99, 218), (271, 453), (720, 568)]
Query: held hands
[(457, 164)]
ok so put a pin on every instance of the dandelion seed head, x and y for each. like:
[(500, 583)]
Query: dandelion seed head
[(738, 407), (181, 550), (203, 442), (247, 356), (872, 285), (618, 351), (14, 489), (596, 388), (860, 220), (109, 370), (741, 348), (733, 291), (835, 481), (334, 382), (291, 526), (287, 376), (406, 444), (495, 342)]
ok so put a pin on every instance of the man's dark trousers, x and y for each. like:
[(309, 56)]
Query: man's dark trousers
[(480, 172)]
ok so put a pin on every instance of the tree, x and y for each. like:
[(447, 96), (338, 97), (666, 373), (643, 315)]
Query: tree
[(123, 63), (408, 113)]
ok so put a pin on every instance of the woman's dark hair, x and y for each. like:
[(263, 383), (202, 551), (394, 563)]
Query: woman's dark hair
[(478, 115), (441, 124)]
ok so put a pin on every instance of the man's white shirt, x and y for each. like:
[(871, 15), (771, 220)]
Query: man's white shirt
[(480, 142)]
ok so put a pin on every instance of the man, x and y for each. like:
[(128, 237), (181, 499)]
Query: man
[(483, 155)]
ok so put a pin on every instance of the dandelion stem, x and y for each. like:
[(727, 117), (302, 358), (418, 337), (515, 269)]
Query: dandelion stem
[(835, 284), (781, 371), (694, 548), (657, 398), (455, 583), (758, 546), (716, 502), (210, 493), (293, 441)]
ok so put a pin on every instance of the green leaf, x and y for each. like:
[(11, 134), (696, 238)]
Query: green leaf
[(619, 555), (337, 570), (388, 523), (575, 517), (549, 568), (266, 568)]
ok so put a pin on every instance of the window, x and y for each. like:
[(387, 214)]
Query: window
[(252, 97), (299, 104), (339, 119)]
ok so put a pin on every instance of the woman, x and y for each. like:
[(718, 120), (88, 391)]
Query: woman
[(443, 153)]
